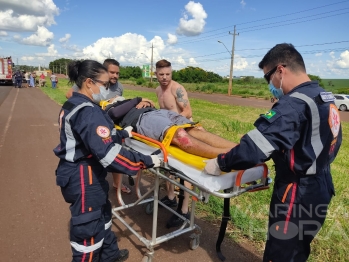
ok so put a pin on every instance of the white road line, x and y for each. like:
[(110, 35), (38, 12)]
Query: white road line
[(8, 122)]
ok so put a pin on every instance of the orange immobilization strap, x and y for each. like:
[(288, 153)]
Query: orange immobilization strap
[(241, 172)]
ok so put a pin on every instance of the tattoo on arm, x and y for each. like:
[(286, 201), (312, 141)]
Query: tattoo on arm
[(180, 95)]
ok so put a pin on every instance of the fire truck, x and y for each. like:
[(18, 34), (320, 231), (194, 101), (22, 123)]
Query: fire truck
[(6, 70)]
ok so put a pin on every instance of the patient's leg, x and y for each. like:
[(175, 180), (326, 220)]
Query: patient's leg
[(209, 138), (190, 144)]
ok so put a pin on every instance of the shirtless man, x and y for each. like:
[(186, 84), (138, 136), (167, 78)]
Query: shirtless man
[(172, 96)]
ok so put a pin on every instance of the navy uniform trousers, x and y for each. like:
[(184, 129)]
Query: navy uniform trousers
[(298, 209), (83, 185)]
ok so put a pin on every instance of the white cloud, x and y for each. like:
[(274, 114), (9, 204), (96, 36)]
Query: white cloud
[(180, 61), (172, 39), (343, 62), (332, 54), (242, 3), (128, 47), (24, 16), (318, 54), (194, 26), (192, 61), (3, 33), (42, 37), (74, 48), (51, 52), (65, 38)]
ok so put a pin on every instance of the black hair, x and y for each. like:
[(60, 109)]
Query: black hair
[(110, 61), (79, 71), (283, 54)]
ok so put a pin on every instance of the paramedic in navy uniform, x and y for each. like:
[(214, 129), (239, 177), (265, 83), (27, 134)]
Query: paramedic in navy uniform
[(89, 147), (302, 134)]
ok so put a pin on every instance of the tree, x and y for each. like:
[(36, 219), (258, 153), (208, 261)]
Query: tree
[(316, 78), (59, 65)]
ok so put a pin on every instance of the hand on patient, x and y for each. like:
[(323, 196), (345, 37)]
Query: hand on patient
[(129, 130), (212, 167), (156, 160)]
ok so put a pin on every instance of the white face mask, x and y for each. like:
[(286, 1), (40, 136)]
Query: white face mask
[(103, 94)]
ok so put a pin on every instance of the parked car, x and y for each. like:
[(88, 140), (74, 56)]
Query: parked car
[(342, 102)]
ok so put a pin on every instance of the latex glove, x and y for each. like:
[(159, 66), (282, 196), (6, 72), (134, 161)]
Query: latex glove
[(129, 130), (156, 160), (212, 167)]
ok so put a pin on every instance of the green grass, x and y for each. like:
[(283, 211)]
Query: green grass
[(249, 211)]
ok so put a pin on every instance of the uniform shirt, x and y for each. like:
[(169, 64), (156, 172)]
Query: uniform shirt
[(114, 90), (86, 130), (302, 134), (53, 78)]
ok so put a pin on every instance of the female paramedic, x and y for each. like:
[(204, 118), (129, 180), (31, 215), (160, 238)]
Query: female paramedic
[(89, 147)]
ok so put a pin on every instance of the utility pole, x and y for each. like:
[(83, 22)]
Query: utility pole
[(232, 62), (151, 64)]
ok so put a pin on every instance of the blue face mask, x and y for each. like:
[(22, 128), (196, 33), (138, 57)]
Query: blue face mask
[(276, 92), (103, 94)]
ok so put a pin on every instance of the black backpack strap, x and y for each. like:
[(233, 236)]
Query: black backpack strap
[(225, 218)]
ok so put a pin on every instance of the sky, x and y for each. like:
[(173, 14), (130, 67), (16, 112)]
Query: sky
[(184, 32)]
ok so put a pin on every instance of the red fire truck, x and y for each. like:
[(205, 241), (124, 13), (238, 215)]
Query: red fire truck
[(6, 70)]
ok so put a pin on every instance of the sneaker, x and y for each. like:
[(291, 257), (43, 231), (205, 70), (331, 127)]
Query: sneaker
[(123, 255), (176, 221), (168, 202)]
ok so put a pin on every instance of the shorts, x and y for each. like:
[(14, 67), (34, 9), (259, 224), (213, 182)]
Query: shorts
[(154, 124)]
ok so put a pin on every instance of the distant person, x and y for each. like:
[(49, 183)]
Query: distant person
[(54, 80), (173, 96), (32, 79), (18, 78), (42, 80), (27, 78)]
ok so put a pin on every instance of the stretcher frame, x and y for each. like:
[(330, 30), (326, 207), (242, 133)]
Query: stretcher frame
[(197, 193)]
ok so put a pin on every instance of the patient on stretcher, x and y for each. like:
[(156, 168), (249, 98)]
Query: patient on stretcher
[(154, 123)]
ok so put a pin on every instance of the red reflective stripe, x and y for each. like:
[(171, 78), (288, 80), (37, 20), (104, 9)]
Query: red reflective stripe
[(126, 165), (290, 207), (292, 160), (82, 180), (84, 255)]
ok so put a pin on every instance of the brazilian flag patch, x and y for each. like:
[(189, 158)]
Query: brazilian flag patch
[(269, 114)]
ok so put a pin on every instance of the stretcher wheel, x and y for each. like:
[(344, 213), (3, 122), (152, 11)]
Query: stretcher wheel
[(149, 208), (194, 243)]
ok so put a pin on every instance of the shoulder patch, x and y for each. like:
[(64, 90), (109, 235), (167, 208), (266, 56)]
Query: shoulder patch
[(334, 120), (103, 131), (327, 96), (269, 114)]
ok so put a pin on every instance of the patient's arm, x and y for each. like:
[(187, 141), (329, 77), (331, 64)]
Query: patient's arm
[(120, 109)]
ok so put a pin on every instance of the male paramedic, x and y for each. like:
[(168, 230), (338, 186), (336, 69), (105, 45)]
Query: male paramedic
[(173, 96), (302, 134), (115, 90)]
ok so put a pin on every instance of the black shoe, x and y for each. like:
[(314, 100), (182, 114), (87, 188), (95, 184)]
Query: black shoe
[(168, 202), (176, 221), (123, 255)]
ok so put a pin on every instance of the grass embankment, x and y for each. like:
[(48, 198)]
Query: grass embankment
[(249, 211)]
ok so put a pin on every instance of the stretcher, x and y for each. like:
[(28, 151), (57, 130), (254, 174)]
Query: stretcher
[(189, 168)]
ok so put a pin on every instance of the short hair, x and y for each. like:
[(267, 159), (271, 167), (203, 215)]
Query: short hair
[(110, 61), (162, 63), (283, 54)]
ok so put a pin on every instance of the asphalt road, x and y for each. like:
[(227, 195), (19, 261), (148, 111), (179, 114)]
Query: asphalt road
[(34, 217)]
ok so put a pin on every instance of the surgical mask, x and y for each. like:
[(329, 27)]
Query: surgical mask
[(276, 92), (103, 94)]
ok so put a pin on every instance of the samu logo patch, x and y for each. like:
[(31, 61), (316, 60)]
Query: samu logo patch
[(269, 114)]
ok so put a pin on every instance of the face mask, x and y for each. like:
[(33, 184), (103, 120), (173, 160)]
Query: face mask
[(276, 92), (103, 94)]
